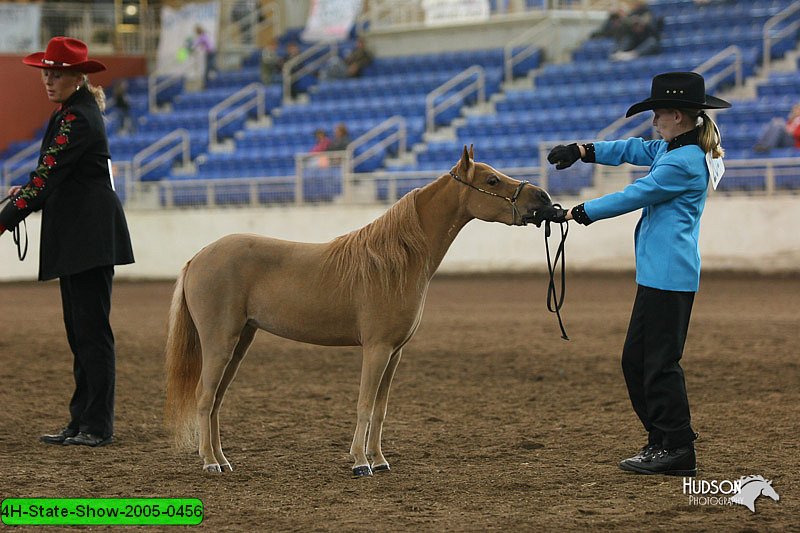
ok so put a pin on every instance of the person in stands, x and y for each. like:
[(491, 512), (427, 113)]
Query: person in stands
[(780, 132)]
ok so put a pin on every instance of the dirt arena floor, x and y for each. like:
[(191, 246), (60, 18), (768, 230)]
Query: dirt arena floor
[(495, 423)]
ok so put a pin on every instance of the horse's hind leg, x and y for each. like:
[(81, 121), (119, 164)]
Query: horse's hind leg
[(217, 353), (245, 340), (375, 361), (374, 453)]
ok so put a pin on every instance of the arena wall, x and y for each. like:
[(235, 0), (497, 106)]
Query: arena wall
[(738, 233)]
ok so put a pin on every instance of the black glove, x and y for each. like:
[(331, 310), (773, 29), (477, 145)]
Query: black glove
[(553, 213), (564, 155)]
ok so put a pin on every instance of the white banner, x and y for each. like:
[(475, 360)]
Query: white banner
[(444, 12), (175, 54), (19, 27), (330, 19)]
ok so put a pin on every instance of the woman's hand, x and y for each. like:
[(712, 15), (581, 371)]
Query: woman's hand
[(564, 156), (14, 190)]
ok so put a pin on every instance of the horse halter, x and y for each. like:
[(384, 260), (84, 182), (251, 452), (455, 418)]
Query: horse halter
[(513, 200)]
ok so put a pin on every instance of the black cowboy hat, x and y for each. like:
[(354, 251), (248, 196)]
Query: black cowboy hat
[(678, 90)]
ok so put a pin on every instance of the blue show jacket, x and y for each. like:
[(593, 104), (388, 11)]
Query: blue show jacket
[(672, 197)]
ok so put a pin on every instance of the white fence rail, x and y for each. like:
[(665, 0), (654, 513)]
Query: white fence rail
[(323, 178)]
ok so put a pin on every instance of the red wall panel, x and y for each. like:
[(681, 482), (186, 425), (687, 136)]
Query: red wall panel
[(24, 107)]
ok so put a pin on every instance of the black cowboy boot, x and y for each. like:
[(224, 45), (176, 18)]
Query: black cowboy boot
[(60, 437), (675, 462)]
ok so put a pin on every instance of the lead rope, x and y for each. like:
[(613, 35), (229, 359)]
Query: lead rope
[(17, 236), (554, 301)]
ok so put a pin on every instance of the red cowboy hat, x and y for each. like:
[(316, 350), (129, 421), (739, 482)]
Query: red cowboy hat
[(65, 53)]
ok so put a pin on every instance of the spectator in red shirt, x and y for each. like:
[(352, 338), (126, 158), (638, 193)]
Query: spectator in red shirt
[(781, 133), (323, 141)]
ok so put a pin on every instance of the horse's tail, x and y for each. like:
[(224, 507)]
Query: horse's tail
[(183, 365)]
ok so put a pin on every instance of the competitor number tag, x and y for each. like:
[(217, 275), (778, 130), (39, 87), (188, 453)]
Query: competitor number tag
[(716, 168)]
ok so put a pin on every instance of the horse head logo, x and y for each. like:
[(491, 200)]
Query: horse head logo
[(751, 487)]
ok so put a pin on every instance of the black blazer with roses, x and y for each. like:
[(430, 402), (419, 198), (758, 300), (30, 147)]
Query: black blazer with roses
[(83, 225)]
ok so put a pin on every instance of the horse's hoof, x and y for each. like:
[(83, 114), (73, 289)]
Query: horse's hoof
[(227, 467), (213, 469), (362, 471), (381, 468)]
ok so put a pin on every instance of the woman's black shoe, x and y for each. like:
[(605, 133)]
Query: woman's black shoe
[(87, 439), (60, 437), (644, 453), (676, 462)]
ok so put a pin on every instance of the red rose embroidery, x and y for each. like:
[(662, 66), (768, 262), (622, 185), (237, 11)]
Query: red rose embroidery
[(49, 160), (62, 139), (21, 203), (38, 182), (70, 117)]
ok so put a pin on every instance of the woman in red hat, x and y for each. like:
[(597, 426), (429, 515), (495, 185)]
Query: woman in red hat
[(84, 232), (671, 196)]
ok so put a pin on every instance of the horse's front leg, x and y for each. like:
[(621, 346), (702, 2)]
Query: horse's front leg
[(374, 453), (373, 365)]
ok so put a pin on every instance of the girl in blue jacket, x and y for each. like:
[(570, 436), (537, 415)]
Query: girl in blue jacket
[(671, 197)]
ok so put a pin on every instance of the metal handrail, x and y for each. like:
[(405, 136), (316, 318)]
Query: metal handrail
[(780, 35), (249, 27), (154, 86), (8, 174), (215, 122), (735, 67), (314, 65), (139, 168), (401, 136), (714, 60), (432, 108), (536, 38), (352, 161)]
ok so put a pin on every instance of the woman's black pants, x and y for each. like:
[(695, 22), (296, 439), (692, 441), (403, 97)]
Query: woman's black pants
[(86, 300), (651, 364)]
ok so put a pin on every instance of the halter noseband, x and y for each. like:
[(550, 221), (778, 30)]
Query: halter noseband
[(513, 200)]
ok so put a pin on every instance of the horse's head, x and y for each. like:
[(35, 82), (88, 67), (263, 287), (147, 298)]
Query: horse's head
[(767, 490), (495, 197)]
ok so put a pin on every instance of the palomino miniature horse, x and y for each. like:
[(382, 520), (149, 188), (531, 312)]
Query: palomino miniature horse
[(365, 288)]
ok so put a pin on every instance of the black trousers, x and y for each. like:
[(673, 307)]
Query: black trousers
[(651, 364), (86, 300)]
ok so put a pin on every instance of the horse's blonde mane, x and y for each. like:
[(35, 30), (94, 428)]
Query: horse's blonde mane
[(380, 254)]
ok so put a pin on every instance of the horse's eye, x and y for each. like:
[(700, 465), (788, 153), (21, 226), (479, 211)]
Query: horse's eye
[(492, 180)]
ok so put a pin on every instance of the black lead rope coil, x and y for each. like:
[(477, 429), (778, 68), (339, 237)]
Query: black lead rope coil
[(554, 300), (17, 235)]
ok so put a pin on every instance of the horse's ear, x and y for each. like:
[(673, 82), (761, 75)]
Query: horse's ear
[(471, 153), (465, 161)]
